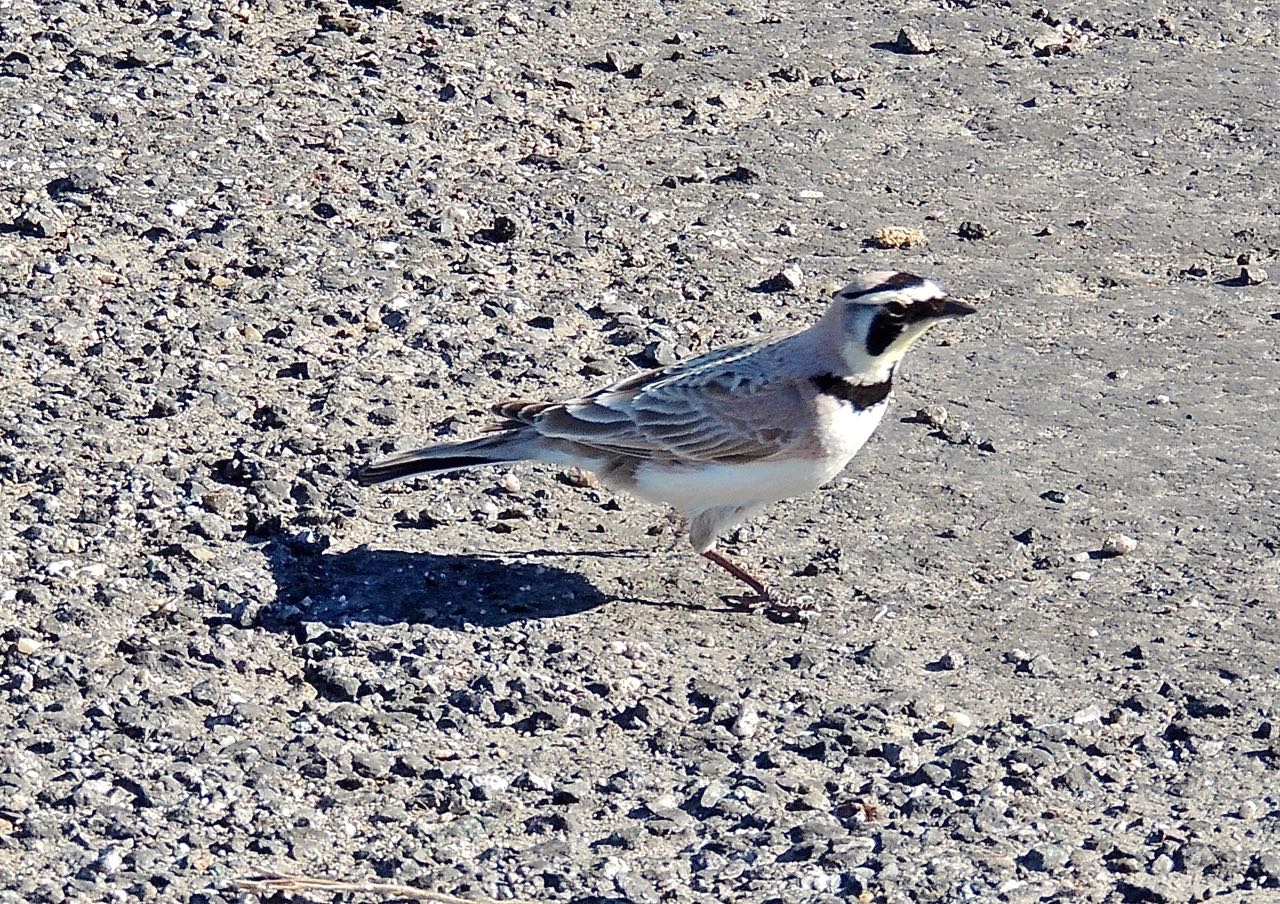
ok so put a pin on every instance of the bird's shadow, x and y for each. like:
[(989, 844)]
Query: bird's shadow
[(384, 586)]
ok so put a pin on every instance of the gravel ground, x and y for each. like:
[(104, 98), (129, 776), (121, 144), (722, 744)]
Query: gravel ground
[(245, 247)]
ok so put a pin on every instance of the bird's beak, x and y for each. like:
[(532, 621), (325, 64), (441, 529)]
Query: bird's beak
[(938, 309), (950, 309)]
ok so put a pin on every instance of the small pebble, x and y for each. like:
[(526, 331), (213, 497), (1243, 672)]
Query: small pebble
[(1161, 400), (957, 719), (791, 277), (713, 793), (747, 723), (933, 415), (110, 862), (577, 477), (913, 40), (1090, 713), (27, 645), (952, 660), (894, 237), (810, 194), (614, 867), (490, 784), (1081, 575), (1118, 545), (510, 483), (1046, 857), (1253, 276), (1042, 667)]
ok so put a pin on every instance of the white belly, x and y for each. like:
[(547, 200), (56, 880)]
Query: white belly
[(693, 488)]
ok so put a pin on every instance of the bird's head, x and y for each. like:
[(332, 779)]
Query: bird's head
[(881, 314)]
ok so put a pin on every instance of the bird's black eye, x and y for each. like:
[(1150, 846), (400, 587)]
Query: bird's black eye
[(896, 309)]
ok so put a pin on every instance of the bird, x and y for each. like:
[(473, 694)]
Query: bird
[(720, 436)]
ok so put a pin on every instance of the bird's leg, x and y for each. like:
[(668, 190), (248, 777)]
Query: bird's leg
[(776, 605), (740, 573)]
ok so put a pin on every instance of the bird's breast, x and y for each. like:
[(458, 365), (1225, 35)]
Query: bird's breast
[(842, 428)]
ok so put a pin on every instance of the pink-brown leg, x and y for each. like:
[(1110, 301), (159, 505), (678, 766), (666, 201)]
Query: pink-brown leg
[(740, 573), (775, 605)]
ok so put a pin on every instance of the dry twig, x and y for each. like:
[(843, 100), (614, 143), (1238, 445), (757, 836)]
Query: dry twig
[(266, 885)]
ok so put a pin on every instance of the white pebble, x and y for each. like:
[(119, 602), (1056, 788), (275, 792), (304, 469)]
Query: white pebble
[(1249, 810), (1081, 575), (1080, 557), (747, 723), (957, 719), (1118, 545), (933, 415), (614, 867), (386, 249), (27, 645), (510, 483), (811, 194), (1253, 275), (539, 781), (1090, 713), (110, 862), (713, 793)]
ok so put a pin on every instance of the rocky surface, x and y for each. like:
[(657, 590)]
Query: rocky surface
[(244, 247)]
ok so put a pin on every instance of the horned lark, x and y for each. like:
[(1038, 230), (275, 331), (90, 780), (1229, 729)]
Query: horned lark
[(722, 435)]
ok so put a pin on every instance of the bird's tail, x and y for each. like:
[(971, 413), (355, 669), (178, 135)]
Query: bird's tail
[(509, 445)]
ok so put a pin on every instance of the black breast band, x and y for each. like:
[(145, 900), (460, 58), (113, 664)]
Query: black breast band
[(860, 395)]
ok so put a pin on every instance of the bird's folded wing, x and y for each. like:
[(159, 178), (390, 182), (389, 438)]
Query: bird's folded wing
[(721, 418)]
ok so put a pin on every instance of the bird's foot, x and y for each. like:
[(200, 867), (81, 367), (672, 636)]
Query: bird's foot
[(775, 606)]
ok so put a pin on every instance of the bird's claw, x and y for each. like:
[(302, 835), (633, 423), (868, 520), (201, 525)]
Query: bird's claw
[(775, 606)]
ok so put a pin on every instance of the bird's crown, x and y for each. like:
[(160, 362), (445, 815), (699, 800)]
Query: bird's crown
[(878, 286)]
